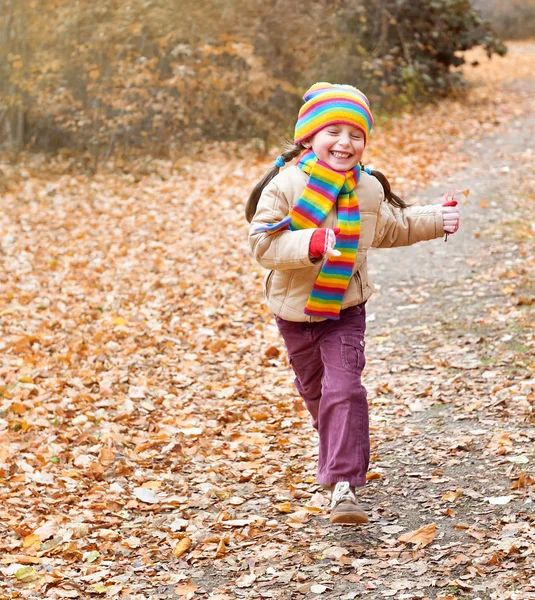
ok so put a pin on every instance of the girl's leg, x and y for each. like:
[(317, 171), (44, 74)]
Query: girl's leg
[(305, 357), (343, 427)]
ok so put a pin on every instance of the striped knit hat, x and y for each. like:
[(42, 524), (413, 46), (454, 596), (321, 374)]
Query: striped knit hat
[(326, 104)]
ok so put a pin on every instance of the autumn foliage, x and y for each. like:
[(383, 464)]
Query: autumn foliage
[(97, 76)]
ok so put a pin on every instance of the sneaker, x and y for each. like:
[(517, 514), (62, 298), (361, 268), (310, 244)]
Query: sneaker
[(344, 506)]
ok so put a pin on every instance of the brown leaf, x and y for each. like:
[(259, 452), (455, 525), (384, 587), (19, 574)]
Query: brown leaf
[(184, 589), (421, 537), (182, 547)]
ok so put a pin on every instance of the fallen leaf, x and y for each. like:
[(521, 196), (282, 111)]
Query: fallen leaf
[(91, 556), (246, 580), (184, 589), (183, 546), (421, 537), (335, 552), (500, 500), (32, 541), (318, 588), (146, 495), (26, 574)]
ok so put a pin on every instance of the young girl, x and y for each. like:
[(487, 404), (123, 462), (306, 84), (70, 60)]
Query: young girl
[(312, 225)]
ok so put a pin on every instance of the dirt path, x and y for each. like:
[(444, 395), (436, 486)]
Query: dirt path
[(452, 438)]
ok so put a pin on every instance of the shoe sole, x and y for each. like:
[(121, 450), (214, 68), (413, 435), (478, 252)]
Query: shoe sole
[(349, 518)]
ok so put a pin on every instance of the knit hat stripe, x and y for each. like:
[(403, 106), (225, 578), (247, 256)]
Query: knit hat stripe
[(327, 104), (333, 102)]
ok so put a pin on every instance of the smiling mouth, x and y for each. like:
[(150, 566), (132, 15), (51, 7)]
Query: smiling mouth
[(341, 154)]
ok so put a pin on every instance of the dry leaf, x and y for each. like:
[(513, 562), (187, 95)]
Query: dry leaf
[(500, 500), (183, 546), (146, 495), (335, 552), (185, 588), (246, 580), (32, 541), (421, 537)]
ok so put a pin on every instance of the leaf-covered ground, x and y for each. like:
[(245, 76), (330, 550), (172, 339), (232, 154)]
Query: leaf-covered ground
[(151, 442)]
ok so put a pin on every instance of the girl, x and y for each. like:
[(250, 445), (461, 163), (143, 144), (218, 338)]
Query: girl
[(311, 226)]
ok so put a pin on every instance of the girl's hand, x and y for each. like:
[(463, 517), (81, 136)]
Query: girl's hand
[(450, 216), (322, 243), (450, 211)]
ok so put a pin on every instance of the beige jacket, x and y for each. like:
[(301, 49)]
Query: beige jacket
[(291, 272)]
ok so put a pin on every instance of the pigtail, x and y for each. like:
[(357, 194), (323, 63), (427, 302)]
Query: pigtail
[(390, 197), (291, 151)]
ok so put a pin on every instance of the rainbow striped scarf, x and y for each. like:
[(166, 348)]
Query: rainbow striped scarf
[(325, 188)]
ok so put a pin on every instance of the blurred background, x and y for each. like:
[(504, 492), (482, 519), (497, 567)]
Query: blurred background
[(104, 77)]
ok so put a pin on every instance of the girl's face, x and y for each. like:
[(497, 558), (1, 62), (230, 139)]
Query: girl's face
[(340, 146)]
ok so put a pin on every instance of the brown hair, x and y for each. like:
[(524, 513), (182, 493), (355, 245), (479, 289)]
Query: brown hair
[(390, 197), (293, 150)]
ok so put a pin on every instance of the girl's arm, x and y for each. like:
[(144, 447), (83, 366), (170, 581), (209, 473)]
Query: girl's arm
[(406, 226), (284, 250)]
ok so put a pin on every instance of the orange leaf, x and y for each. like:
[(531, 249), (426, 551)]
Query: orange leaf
[(18, 408), (185, 588), (371, 475), (284, 507), (32, 541), (421, 537), (451, 496), (181, 547)]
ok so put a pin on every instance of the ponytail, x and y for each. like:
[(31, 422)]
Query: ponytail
[(289, 154), (390, 197)]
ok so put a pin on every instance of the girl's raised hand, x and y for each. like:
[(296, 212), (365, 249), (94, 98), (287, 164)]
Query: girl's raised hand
[(450, 217), (450, 211)]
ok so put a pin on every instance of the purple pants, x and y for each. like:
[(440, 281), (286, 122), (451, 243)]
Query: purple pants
[(328, 358)]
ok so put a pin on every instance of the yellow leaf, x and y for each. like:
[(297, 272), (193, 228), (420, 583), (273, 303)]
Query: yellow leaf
[(119, 321), (26, 574), (421, 537), (32, 541), (181, 547), (284, 507)]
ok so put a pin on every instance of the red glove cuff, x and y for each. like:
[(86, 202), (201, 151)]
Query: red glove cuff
[(317, 243)]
